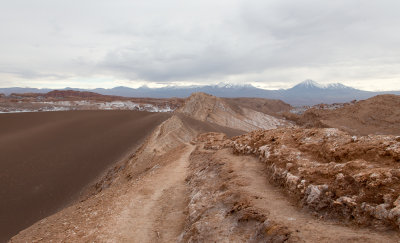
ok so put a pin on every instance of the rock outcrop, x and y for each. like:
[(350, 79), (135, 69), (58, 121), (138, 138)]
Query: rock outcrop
[(331, 172), (212, 109), (376, 115)]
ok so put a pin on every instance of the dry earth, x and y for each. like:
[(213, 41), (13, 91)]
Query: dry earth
[(216, 110), (333, 173), (376, 115), (278, 184), (267, 106), (137, 201), (39, 174), (231, 200), (75, 100)]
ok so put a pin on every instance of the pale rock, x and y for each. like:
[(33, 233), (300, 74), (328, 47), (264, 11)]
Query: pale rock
[(289, 166), (314, 193), (346, 201), (292, 181), (339, 176), (397, 202), (381, 212)]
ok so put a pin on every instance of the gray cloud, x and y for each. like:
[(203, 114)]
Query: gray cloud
[(275, 41)]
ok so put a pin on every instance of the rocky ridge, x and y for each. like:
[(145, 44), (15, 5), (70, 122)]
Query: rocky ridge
[(216, 110)]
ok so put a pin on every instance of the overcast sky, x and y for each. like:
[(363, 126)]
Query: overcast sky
[(269, 43)]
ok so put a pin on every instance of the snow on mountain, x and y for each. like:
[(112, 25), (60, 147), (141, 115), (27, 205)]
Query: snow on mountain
[(233, 86), (337, 86), (308, 84), (307, 92)]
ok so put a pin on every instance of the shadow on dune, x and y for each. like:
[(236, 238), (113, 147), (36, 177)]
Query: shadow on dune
[(47, 159)]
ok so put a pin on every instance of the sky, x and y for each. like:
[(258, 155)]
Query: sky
[(268, 43)]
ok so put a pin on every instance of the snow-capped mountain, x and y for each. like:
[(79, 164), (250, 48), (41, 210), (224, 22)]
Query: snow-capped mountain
[(307, 92), (308, 84)]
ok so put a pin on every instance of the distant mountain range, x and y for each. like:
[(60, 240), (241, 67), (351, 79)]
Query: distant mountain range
[(305, 93)]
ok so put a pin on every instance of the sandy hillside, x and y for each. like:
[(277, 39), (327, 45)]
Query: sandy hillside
[(46, 159), (216, 110), (267, 106), (130, 202), (377, 115)]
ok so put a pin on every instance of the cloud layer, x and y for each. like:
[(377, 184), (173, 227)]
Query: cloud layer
[(274, 43)]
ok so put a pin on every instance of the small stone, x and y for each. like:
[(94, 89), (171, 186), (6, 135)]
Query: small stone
[(381, 212), (339, 176), (313, 194), (387, 198), (374, 176), (397, 202)]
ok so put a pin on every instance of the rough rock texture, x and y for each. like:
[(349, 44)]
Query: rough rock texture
[(267, 106), (209, 108), (376, 115), (230, 200), (218, 210), (331, 172)]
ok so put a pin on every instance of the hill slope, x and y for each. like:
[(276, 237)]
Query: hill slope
[(47, 159), (377, 115), (216, 110)]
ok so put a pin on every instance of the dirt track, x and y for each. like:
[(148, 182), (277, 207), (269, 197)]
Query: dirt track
[(231, 198), (154, 210), (46, 159), (302, 224)]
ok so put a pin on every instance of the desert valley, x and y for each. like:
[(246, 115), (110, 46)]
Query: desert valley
[(101, 168)]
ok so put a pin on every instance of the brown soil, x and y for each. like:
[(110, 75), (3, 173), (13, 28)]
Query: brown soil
[(211, 109), (354, 179), (377, 115), (202, 127), (142, 199), (232, 200), (267, 106), (46, 159)]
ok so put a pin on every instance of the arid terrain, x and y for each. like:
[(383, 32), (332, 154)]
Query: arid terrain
[(47, 159), (76, 100), (226, 170), (377, 115)]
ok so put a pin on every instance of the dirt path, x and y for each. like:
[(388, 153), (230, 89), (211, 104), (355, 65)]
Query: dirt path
[(155, 208), (270, 200)]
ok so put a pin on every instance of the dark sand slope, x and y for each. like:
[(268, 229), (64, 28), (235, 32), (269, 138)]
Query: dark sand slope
[(46, 159)]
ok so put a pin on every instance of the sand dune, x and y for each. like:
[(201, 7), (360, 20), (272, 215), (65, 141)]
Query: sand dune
[(46, 159)]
